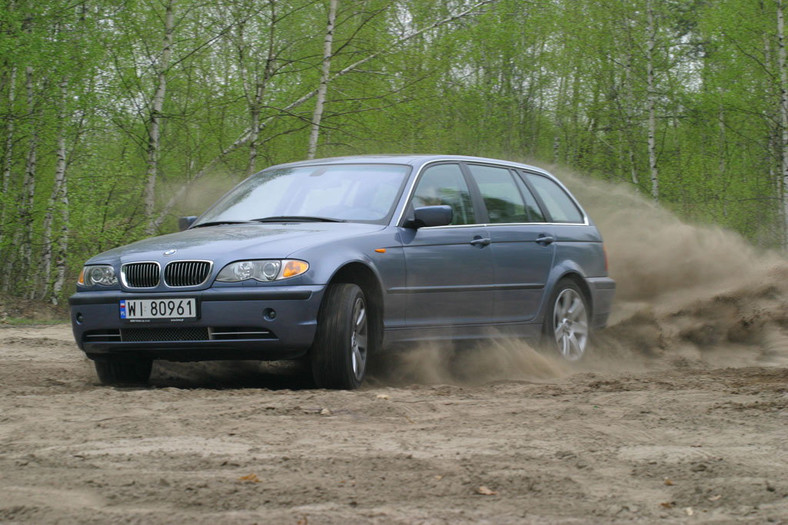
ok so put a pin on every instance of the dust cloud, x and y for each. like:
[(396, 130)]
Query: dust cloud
[(687, 296), (202, 193), (443, 363)]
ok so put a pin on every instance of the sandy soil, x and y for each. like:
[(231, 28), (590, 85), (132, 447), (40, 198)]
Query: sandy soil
[(237, 444), (680, 415)]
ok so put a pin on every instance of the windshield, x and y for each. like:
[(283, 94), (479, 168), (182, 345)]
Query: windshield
[(349, 192)]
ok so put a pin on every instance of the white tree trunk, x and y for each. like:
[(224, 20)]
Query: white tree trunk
[(55, 198), (62, 245), (254, 93), (29, 186), (652, 102), (254, 127), (627, 113), (8, 165), (61, 251), (8, 161), (154, 131), (781, 62), (325, 73)]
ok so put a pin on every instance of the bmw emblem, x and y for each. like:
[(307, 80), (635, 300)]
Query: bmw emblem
[(169, 252)]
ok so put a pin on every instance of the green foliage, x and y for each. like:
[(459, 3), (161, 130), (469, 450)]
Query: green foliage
[(555, 82)]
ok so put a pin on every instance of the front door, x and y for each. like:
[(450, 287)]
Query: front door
[(450, 277)]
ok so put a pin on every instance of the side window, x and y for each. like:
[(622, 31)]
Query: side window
[(444, 184), (501, 197), (534, 212), (559, 205)]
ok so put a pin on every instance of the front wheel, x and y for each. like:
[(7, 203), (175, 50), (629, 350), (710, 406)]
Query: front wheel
[(343, 340), (567, 321), (114, 371)]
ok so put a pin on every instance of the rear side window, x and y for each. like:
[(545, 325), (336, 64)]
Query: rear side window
[(559, 204), (444, 184), (501, 197)]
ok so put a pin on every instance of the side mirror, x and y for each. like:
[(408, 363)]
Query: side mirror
[(185, 222), (430, 216)]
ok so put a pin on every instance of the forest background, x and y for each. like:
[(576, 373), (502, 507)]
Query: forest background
[(117, 113)]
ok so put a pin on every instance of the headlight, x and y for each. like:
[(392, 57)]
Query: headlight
[(268, 270), (102, 274)]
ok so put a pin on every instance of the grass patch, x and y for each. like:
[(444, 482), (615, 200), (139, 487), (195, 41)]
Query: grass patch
[(24, 321)]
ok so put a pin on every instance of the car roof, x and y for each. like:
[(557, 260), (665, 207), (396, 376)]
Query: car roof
[(415, 160)]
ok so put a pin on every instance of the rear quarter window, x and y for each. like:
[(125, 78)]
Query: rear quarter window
[(559, 204)]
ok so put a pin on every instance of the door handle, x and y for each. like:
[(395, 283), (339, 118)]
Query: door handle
[(480, 241), (545, 240)]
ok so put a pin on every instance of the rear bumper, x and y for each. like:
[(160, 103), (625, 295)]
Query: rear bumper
[(232, 323), (603, 289)]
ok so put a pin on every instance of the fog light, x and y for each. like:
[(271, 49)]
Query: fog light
[(79, 318), (269, 314)]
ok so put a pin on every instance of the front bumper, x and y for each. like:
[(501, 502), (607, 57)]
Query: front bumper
[(233, 323)]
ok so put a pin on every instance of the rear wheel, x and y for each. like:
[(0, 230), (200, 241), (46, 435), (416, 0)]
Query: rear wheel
[(567, 321), (116, 371), (342, 342)]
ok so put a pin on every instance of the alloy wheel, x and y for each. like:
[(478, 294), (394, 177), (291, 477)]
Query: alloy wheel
[(570, 322)]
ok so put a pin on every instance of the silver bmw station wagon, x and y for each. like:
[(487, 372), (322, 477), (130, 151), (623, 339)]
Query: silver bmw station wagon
[(333, 260)]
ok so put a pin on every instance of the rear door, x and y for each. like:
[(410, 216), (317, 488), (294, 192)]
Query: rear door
[(522, 242)]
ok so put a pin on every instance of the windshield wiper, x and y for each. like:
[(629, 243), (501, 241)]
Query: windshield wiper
[(295, 218), (218, 223), (277, 218)]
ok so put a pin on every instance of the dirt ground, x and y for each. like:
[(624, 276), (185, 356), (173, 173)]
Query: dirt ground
[(680, 415), (688, 442)]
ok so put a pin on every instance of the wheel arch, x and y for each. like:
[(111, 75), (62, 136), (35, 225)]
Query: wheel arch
[(365, 278), (574, 275), (583, 285)]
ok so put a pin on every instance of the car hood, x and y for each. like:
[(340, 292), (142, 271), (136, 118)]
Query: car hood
[(229, 242)]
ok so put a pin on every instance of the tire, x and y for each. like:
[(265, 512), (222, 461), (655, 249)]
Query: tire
[(123, 371), (343, 340), (567, 321)]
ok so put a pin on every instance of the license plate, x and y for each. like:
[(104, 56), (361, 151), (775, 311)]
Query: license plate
[(185, 308)]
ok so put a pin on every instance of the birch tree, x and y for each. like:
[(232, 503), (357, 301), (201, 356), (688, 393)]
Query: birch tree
[(651, 35), (325, 73), (256, 60), (57, 198), (26, 217), (8, 152), (161, 69), (354, 66), (783, 69)]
